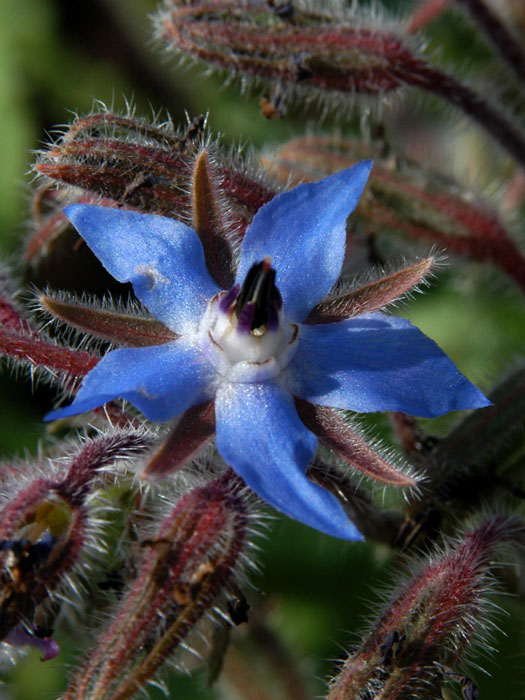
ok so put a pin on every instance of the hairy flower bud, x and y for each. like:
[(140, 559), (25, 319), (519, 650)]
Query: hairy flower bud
[(124, 161), (46, 529), (296, 43), (27, 346), (189, 561), (431, 624), (308, 49)]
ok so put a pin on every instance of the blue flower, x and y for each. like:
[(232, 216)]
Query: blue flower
[(249, 349)]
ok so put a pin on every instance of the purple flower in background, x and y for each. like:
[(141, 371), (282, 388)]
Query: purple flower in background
[(249, 349), (20, 637)]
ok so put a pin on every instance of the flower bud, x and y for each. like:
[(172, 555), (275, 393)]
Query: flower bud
[(27, 346), (46, 531), (319, 50), (189, 561), (431, 624), (124, 161), (296, 45)]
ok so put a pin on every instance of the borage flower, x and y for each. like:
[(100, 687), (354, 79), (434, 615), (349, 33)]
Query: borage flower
[(251, 349)]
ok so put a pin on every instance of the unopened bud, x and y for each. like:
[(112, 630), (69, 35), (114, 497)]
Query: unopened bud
[(431, 624), (45, 532), (185, 566)]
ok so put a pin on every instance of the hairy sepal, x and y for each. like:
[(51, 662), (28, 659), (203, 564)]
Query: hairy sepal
[(338, 435), (191, 559), (112, 326), (373, 296), (432, 622), (191, 433), (48, 529)]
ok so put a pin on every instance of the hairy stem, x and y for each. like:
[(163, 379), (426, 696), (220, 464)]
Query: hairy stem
[(472, 103), (506, 45)]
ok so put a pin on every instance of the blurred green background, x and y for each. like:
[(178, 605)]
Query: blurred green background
[(56, 58)]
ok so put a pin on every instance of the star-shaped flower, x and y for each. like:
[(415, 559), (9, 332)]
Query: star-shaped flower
[(252, 348)]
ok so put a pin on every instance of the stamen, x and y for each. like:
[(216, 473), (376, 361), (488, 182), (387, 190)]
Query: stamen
[(245, 318), (244, 333), (259, 299)]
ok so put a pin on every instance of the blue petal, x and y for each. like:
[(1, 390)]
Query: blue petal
[(261, 436), (378, 363), (162, 258), (162, 381), (304, 231)]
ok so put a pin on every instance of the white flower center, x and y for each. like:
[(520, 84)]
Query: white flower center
[(245, 356)]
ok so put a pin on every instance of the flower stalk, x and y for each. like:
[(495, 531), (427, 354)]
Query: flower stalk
[(503, 40)]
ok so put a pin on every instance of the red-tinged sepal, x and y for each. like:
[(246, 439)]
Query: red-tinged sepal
[(192, 432), (22, 341), (95, 155), (12, 317), (120, 328), (373, 296), (123, 161), (336, 433), (208, 221), (432, 621), (305, 50), (37, 352), (322, 52), (191, 559)]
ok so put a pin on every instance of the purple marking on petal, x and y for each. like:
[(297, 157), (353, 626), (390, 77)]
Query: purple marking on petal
[(272, 323), (228, 299), (245, 320)]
